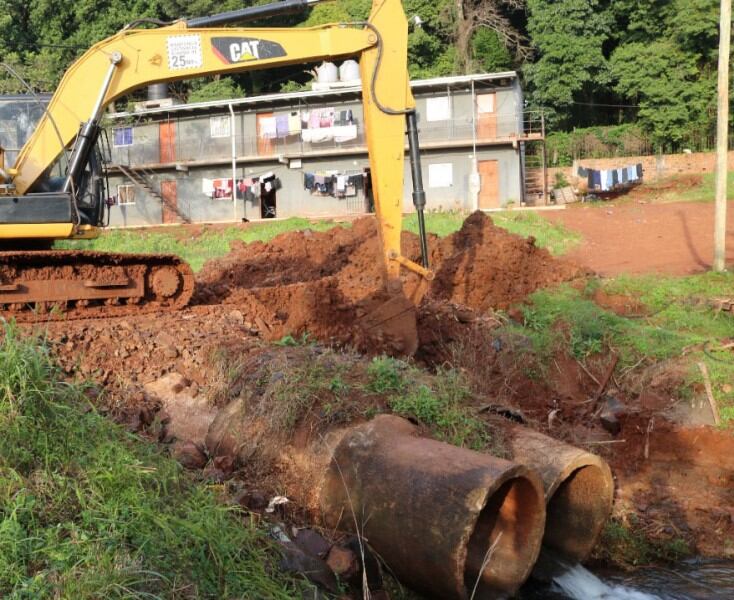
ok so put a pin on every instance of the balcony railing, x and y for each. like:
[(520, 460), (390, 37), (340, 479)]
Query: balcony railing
[(188, 144)]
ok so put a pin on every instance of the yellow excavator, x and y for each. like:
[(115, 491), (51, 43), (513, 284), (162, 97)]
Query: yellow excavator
[(37, 207)]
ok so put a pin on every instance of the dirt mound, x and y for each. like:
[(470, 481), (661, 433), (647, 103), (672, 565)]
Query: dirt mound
[(485, 267), (321, 283)]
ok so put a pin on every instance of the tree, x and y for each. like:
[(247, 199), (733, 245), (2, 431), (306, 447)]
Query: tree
[(666, 82), (471, 16), (568, 37)]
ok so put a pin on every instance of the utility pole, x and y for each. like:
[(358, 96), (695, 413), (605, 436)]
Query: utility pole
[(722, 137)]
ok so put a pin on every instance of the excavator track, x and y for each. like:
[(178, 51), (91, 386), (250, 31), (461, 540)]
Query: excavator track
[(58, 284)]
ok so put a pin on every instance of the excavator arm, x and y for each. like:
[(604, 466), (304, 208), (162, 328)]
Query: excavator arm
[(134, 58)]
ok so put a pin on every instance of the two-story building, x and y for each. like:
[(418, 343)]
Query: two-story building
[(304, 153)]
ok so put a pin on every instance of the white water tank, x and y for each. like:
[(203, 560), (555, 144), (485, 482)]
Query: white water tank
[(326, 73), (349, 71)]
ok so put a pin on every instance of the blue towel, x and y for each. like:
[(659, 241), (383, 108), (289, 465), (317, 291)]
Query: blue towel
[(610, 181), (632, 173)]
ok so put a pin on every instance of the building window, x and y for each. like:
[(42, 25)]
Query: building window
[(440, 175), (125, 195), (438, 109), (122, 136), (219, 127)]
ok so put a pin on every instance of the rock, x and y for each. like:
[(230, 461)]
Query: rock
[(190, 417), (231, 434), (297, 561), (343, 562), (189, 455), (252, 500), (236, 316), (312, 542)]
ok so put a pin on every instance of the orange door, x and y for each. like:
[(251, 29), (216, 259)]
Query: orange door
[(169, 196), (167, 141), (489, 192), (264, 144), (487, 116)]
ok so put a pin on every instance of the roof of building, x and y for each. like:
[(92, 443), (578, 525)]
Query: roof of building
[(416, 85)]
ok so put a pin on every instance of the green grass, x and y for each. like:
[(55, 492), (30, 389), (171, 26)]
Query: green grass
[(706, 191), (679, 323), (196, 250), (90, 511), (624, 544), (214, 242), (441, 402), (666, 190), (556, 238)]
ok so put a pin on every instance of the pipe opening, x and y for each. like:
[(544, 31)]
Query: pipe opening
[(577, 511), (515, 511)]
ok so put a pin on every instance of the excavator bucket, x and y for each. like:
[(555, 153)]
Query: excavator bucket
[(393, 322)]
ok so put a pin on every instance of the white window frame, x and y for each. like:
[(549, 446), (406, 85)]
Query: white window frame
[(127, 187), (129, 128), (220, 126)]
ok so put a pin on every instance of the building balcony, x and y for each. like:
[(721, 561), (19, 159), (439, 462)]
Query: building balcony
[(193, 146)]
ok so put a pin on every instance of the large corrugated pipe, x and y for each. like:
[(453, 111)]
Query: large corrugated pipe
[(449, 522), (579, 491)]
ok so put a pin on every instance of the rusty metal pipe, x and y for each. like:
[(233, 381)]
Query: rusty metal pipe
[(579, 490), (446, 520)]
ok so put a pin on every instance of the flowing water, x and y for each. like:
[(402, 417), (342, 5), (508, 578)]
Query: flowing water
[(690, 580)]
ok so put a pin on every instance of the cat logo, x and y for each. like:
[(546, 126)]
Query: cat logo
[(233, 50)]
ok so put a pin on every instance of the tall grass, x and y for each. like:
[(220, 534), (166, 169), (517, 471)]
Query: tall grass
[(677, 321), (90, 511)]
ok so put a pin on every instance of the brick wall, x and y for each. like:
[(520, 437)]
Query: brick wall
[(654, 167)]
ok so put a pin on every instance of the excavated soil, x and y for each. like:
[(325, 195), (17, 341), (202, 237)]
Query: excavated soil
[(322, 283), (170, 375)]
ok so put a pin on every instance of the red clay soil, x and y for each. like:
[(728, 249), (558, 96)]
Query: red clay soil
[(321, 283), (633, 237)]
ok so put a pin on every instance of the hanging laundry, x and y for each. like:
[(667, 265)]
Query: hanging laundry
[(638, 167), (344, 133), (315, 121), (344, 117), (305, 116), (327, 117), (267, 127), (207, 187), (308, 181), (609, 181), (222, 188), (281, 125), (341, 183), (596, 178), (294, 123), (316, 136)]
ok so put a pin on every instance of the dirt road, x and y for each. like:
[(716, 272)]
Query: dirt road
[(630, 237)]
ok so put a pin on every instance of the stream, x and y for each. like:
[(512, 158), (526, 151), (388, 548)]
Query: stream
[(695, 579)]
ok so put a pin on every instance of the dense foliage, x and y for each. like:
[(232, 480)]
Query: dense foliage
[(585, 62)]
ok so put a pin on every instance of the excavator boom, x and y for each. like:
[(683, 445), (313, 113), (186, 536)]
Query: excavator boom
[(34, 205)]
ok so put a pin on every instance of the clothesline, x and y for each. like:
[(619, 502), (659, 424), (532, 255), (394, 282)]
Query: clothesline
[(314, 126), (609, 180)]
